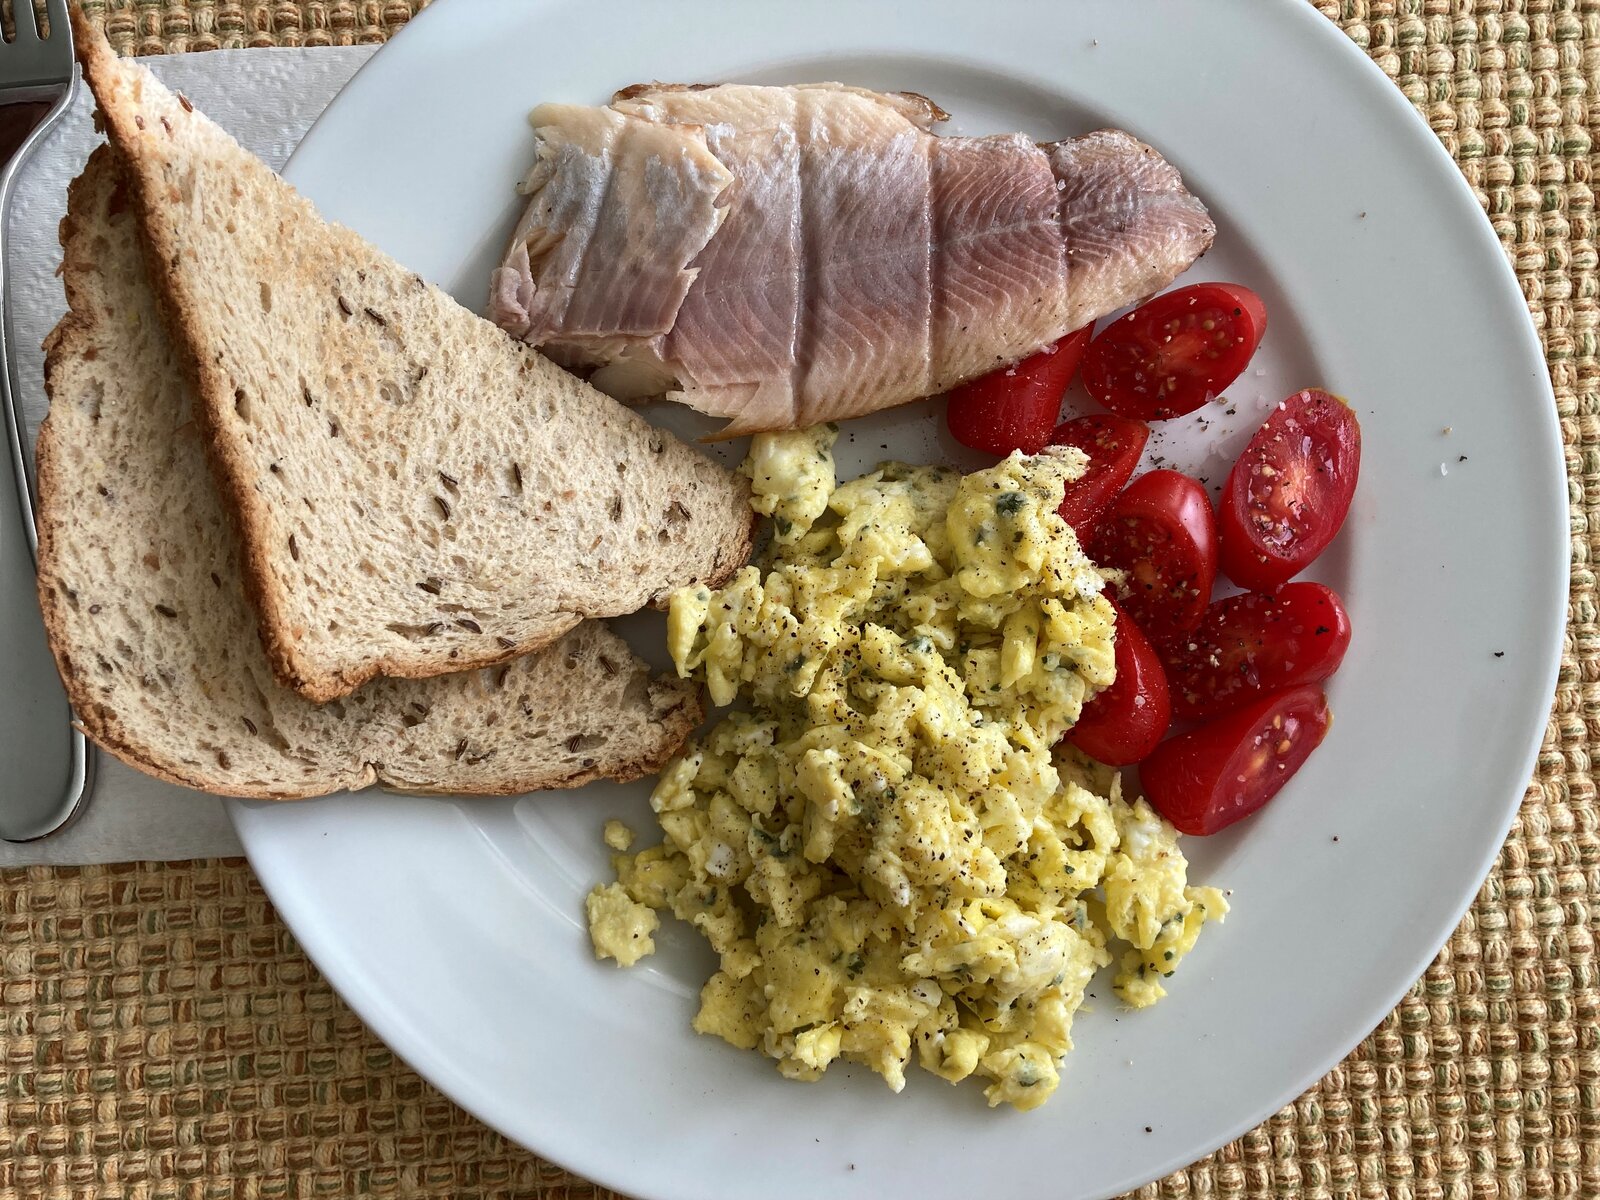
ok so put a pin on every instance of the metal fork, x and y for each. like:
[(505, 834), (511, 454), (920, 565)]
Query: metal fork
[(45, 767)]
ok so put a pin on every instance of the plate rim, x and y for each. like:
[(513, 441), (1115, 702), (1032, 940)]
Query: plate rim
[(1322, 36)]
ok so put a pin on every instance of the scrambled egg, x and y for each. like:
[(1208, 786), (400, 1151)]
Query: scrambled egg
[(888, 852)]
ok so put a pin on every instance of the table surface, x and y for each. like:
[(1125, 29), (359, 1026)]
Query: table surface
[(162, 1035)]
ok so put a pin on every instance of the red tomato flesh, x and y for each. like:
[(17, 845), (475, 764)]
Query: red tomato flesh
[(1113, 445), (1255, 643), (1229, 767), (1016, 407), (1126, 721), (1289, 493), (1162, 532), (1172, 354)]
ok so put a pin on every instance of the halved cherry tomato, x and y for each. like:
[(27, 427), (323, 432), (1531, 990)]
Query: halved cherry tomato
[(1254, 643), (1229, 767), (1015, 408), (1128, 720), (1289, 493), (1162, 532), (1172, 354), (1113, 445)]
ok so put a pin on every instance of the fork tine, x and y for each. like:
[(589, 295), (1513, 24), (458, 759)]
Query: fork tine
[(27, 24), (55, 12)]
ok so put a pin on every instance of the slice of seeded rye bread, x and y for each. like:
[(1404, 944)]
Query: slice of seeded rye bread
[(416, 492), (139, 582)]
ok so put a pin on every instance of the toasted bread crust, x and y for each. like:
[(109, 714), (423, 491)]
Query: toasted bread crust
[(297, 660), (82, 353), (122, 121), (72, 335)]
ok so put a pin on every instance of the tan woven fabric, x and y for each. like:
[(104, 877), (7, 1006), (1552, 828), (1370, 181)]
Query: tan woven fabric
[(171, 26), (162, 1036)]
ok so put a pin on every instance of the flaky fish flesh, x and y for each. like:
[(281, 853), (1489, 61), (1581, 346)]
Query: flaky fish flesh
[(782, 256)]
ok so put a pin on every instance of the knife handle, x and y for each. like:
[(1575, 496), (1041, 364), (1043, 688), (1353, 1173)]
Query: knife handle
[(43, 759), (45, 766)]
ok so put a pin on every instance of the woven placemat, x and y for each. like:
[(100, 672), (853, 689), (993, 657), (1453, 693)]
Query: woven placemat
[(163, 1036)]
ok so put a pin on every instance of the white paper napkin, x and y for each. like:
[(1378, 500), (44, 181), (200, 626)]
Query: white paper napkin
[(267, 99)]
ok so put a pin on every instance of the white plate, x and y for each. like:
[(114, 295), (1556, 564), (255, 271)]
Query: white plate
[(456, 929)]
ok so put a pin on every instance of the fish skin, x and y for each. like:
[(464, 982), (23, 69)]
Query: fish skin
[(642, 192), (739, 331), (998, 242), (785, 256), (1118, 192)]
